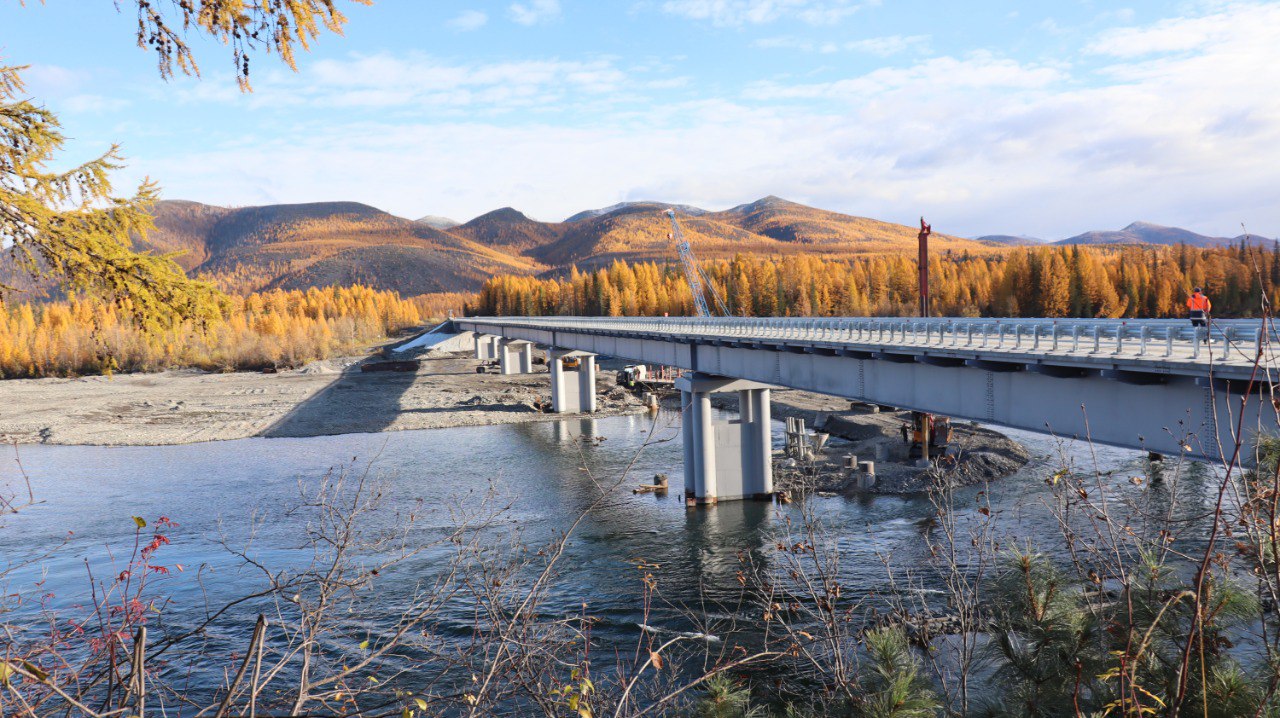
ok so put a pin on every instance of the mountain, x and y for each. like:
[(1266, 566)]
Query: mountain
[(432, 220), (321, 244), (1148, 233), (819, 230), (640, 231), (1011, 240), (509, 230), (592, 213), (181, 227)]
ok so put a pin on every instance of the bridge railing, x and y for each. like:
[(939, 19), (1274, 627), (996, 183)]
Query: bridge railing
[(1156, 338)]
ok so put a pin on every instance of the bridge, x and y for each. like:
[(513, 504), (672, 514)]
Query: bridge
[(1154, 385)]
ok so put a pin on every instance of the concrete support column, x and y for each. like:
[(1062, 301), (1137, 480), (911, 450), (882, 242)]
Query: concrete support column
[(761, 438), (486, 347), (495, 347), (558, 403), (573, 390), (728, 459), (507, 357), (516, 356), (587, 384), (704, 449), (689, 435)]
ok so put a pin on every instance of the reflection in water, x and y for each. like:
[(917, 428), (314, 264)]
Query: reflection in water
[(720, 535), (570, 430)]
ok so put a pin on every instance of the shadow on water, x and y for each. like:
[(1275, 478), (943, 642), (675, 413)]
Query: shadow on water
[(356, 402)]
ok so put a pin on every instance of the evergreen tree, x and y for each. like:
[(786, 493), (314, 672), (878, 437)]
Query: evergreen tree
[(69, 224)]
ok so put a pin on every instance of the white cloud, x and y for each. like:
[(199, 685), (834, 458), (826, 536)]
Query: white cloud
[(1183, 133), (980, 71), (1231, 23), (790, 42), (422, 83), (533, 12), (468, 20), (89, 103), (885, 46), (757, 12), (1051, 26), (889, 44), (54, 79)]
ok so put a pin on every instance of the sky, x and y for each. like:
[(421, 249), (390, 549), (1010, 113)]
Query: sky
[(1044, 119)]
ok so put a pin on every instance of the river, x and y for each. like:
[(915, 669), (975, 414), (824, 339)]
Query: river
[(216, 490)]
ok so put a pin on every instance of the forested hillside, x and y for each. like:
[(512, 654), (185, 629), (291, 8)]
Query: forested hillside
[(321, 244), (1073, 281), (343, 243)]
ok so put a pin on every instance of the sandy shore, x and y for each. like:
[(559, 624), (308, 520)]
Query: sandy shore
[(329, 397)]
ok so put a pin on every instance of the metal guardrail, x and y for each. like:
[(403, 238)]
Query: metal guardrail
[(1152, 338)]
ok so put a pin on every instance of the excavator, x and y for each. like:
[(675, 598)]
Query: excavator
[(930, 429)]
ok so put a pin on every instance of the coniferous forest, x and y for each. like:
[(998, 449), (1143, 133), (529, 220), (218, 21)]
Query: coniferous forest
[(1070, 281)]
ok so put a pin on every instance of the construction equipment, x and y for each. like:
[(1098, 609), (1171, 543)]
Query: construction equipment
[(923, 237), (633, 373), (925, 424), (694, 275), (929, 431)]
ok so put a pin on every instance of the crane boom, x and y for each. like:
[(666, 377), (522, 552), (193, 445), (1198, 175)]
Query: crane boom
[(699, 285)]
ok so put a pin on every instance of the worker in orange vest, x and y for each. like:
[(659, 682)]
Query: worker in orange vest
[(1198, 305)]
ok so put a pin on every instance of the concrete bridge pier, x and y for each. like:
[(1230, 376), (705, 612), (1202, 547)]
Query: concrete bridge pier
[(725, 460), (573, 391), (486, 346), (515, 356)]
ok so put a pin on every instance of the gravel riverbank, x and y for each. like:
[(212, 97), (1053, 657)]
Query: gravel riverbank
[(322, 398)]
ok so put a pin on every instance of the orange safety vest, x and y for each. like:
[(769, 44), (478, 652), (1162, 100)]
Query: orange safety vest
[(1198, 303)]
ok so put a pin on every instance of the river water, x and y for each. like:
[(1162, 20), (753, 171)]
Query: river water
[(548, 471)]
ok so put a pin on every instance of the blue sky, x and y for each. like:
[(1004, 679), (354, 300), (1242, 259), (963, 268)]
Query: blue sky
[(988, 116)]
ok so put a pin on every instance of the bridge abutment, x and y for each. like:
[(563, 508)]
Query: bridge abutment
[(573, 389), (725, 459)]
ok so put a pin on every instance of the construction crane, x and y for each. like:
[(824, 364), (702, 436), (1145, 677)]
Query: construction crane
[(693, 273)]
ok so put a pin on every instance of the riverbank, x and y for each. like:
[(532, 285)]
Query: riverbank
[(323, 398)]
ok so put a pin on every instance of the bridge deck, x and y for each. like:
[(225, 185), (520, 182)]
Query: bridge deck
[(1149, 384)]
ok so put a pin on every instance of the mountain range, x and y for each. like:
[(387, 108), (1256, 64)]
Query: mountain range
[(1148, 233), (292, 246), (1135, 233), (333, 243)]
